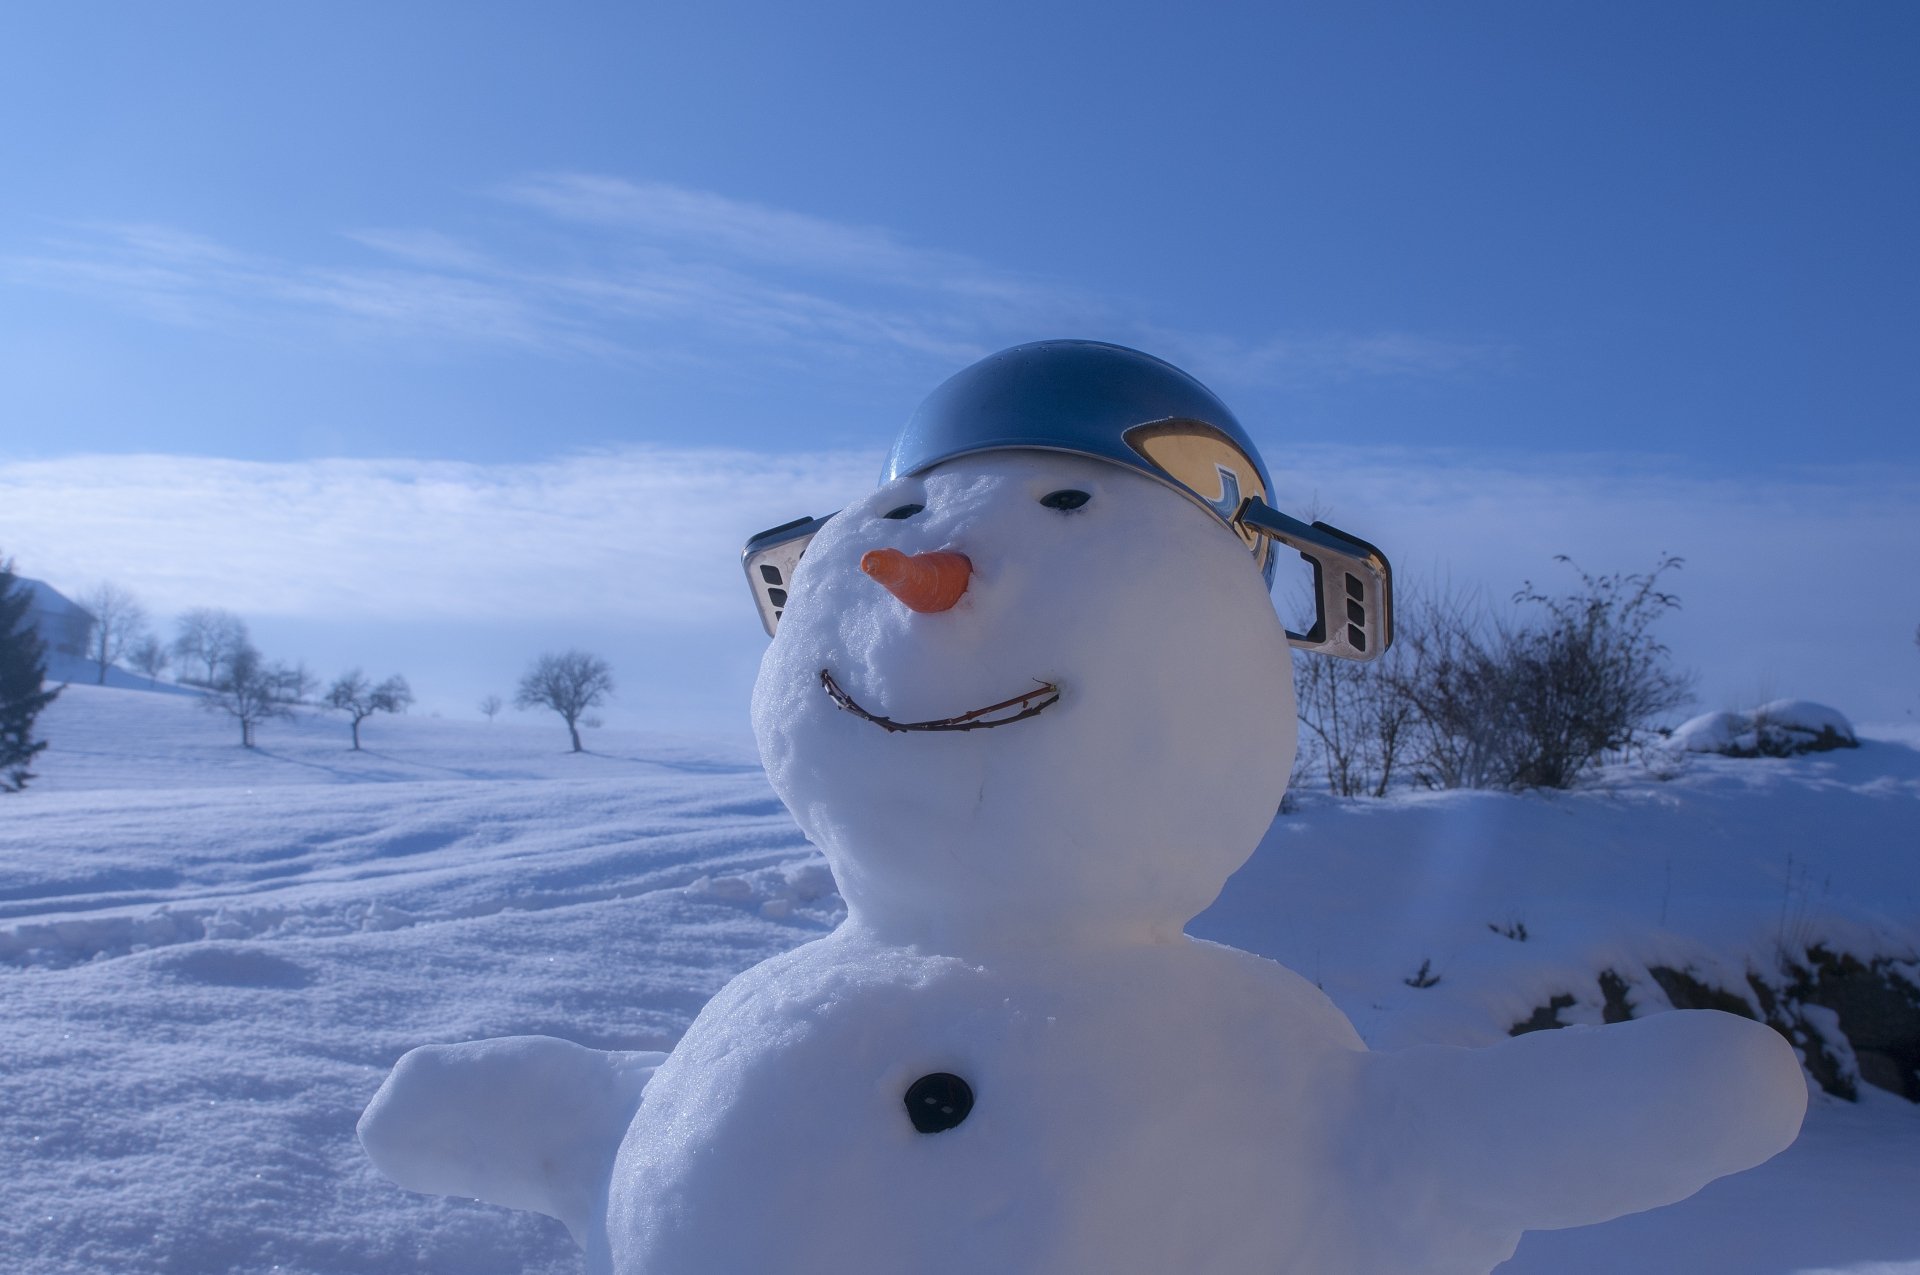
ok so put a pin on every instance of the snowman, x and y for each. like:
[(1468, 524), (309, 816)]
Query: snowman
[(1031, 699)]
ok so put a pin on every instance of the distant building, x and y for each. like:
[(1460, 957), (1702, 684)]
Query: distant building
[(63, 624)]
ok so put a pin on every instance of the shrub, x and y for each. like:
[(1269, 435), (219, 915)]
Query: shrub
[(1468, 700)]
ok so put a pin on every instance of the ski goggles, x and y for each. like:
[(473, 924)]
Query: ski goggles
[(1352, 580)]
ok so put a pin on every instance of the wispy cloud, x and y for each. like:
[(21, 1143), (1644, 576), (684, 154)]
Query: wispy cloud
[(1785, 588), (1331, 357), (428, 249), (639, 536), (656, 212), (589, 265), (189, 279)]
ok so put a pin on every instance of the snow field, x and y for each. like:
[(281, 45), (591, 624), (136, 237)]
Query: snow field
[(202, 986), (209, 958)]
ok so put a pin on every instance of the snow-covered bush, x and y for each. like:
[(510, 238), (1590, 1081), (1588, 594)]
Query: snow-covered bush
[(1782, 728)]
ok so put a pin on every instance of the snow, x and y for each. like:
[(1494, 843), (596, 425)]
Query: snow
[(1778, 728), (1804, 715), (419, 1125), (232, 947), (63, 666), (213, 955)]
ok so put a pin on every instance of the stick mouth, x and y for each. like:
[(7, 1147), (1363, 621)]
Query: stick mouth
[(1006, 712)]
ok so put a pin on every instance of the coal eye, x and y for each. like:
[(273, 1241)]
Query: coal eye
[(904, 511), (1065, 500)]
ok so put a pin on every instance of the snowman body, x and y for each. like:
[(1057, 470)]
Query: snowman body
[(1192, 1136)]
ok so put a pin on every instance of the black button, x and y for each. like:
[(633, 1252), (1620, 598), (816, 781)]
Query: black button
[(938, 1102)]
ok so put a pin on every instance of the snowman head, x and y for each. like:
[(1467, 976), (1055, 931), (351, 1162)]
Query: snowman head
[(1086, 737), (1034, 683)]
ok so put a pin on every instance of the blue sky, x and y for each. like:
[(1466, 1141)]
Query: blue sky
[(1662, 255)]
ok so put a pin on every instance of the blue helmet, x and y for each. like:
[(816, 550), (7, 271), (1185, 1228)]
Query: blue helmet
[(1090, 398)]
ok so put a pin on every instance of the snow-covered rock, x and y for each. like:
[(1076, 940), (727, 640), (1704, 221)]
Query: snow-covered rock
[(1778, 729)]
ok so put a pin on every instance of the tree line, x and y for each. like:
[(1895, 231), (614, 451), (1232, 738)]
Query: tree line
[(1465, 698), (215, 655)]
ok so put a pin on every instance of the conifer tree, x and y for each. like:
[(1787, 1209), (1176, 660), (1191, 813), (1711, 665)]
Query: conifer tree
[(23, 676)]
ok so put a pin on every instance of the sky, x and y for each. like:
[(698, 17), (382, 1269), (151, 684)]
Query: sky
[(430, 336)]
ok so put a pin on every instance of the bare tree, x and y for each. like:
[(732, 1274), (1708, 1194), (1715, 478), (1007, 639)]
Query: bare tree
[(206, 638), (150, 656), (490, 706), (251, 691), (119, 621), (569, 683), (360, 699)]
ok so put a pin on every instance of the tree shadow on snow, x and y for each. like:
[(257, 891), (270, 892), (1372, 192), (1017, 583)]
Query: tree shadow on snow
[(687, 766)]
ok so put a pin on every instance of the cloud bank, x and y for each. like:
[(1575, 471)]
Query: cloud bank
[(1793, 587), (640, 536)]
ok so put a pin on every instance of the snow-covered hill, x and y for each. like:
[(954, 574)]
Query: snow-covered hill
[(209, 957), (80, 671)]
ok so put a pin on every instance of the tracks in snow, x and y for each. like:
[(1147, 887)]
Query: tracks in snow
[(100, 876)]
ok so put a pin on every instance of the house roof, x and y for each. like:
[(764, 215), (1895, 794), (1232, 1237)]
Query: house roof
[(50, 600)]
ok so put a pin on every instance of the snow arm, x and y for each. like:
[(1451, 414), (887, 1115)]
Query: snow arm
[(1574, 1126), (528, 1122)]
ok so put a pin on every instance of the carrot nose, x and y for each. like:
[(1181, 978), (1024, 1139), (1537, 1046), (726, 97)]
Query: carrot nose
[(925, 581)]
